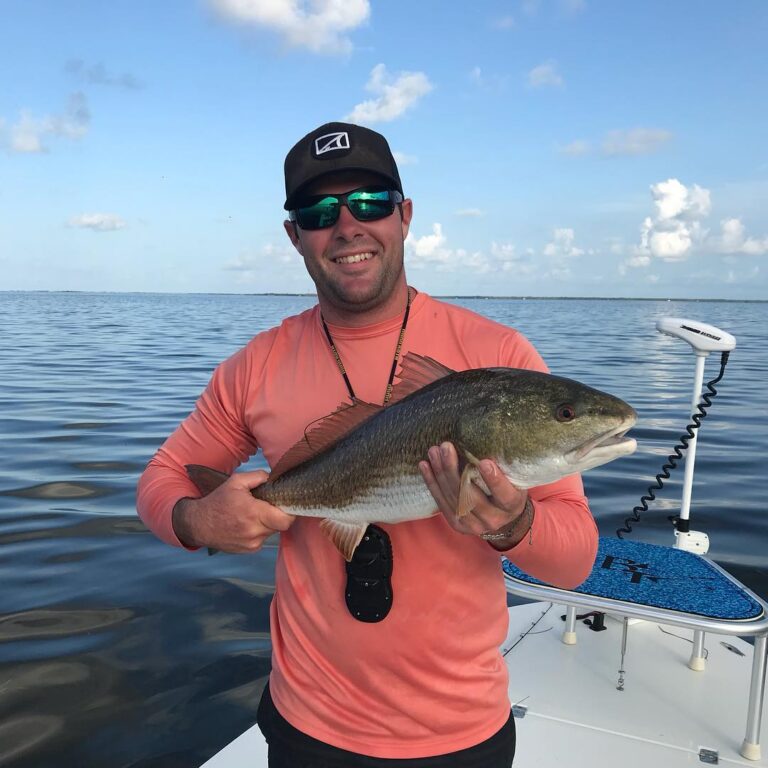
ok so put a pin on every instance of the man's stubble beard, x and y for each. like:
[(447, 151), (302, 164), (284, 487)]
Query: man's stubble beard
[(329, 289)]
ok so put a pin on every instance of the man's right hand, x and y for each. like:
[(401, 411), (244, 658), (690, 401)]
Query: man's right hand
[(229, 518)]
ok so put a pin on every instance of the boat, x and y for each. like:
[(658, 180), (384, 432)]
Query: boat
[(659, 658)]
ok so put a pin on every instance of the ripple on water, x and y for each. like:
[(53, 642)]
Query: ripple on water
[(105, 466), (48, 623), (61, 489), (22, 734)]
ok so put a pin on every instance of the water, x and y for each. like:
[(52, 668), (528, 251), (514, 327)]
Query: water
[(117, 650)]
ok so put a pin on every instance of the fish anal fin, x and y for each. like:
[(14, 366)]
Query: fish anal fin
[(324, 432), (205, 478), (344, 536), (416, 371)]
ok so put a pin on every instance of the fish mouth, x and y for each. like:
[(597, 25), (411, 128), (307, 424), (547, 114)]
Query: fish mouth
[(609, 444)]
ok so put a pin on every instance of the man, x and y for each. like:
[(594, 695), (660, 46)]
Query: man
[(425, 685)]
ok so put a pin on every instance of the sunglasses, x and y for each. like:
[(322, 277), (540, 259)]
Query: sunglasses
[(365, 204)]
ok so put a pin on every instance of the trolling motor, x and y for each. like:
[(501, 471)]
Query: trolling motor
[(704, 339)]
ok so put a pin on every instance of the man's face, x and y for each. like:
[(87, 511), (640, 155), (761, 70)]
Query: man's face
[(374, 280)]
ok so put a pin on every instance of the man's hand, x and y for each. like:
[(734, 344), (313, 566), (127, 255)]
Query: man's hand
[(229, 518), (504, 513)]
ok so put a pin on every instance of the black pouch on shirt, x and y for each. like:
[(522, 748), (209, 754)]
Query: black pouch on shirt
[(368, 593)]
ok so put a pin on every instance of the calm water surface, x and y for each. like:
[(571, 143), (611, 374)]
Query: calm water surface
[(117, 650)]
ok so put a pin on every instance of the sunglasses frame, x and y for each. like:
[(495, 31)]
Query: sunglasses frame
[(395, 198)]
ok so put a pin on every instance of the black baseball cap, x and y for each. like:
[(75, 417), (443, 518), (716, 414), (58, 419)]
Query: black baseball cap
[(337, 147)]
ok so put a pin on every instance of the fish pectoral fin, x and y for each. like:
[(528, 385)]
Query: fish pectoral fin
[(345, 536), (470, 475)]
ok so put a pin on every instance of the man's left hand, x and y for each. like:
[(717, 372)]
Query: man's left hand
[(503, 512)]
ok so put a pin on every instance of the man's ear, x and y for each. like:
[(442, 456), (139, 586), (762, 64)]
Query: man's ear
[(406, 213), (292, 231)]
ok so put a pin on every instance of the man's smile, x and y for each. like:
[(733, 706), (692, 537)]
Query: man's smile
[(353, 258)]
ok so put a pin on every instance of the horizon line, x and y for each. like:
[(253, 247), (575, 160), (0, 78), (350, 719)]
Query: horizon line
[(522, 297)]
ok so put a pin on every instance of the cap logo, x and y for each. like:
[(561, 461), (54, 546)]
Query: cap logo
[(331, 142)]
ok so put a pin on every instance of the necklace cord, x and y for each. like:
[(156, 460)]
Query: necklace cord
[(395, 360)]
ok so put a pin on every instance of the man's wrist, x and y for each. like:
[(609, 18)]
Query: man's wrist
[(182, 524), (511, 534)]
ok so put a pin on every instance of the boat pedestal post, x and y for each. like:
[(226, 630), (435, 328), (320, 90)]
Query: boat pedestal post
[(697, 660), (751, 746), (569, 633)]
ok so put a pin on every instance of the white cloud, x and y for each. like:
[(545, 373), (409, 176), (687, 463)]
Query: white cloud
[(427, 246), (678, 228), (530, 7), (98, 222), (733, 239), (487, 82), (431, 251), (545, 75), (320, 26), (507, 259), (471, 213), (635, 141), (573, 6), (562, 246), (394, 95), (402, 159), (504, 22), (97, 74), (576, 148), (739, 278), (28, 134), (254, 261)]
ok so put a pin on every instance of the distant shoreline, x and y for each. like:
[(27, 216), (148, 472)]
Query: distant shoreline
[(443, 296)]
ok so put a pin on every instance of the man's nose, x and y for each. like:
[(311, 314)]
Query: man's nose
[(347, 225)]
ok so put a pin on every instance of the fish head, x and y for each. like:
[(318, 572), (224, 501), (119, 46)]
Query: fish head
[(541, 427)]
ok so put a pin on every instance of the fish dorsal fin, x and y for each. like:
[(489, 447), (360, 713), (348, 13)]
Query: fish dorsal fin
[(319, 434), (345, 536), (417, 371)]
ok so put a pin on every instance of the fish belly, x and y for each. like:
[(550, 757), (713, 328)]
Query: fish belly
[(394, 501)]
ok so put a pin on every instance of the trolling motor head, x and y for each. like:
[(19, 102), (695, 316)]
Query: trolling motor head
[(704, 338)]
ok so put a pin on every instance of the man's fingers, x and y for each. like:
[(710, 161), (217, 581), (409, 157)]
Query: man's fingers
[(250, 480), (503, 492), (276, 519)]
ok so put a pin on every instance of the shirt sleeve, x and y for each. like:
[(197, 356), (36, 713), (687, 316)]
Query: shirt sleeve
[(215, 434), (561, 546)]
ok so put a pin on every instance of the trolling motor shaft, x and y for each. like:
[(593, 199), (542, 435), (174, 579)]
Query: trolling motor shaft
[(703, 338)]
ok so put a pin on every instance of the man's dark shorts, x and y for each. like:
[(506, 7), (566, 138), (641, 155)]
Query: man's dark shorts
[(290, 748)]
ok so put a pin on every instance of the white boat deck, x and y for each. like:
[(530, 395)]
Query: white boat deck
[(575, 715), (664, 716)]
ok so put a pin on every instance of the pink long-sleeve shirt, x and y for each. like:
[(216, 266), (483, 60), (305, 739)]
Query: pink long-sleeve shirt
[(428, 679)]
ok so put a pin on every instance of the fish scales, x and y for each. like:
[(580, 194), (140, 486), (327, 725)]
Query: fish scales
[(376, 459)]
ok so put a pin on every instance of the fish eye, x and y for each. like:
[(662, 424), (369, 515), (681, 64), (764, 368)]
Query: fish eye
[(565, 412)]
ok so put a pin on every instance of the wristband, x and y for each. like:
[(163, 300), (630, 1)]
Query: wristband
[(510, 529)]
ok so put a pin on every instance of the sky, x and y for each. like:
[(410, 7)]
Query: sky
[(551, 147)]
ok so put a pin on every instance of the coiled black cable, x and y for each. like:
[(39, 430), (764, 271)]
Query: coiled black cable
[(673, 458)]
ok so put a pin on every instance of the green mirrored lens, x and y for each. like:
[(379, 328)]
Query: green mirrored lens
[(368, 205), (322, 213)]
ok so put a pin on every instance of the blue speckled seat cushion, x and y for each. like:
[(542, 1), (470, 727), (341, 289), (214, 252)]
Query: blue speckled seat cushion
[(664, 577)]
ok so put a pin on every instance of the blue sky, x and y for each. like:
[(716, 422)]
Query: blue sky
[(551, 147)]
